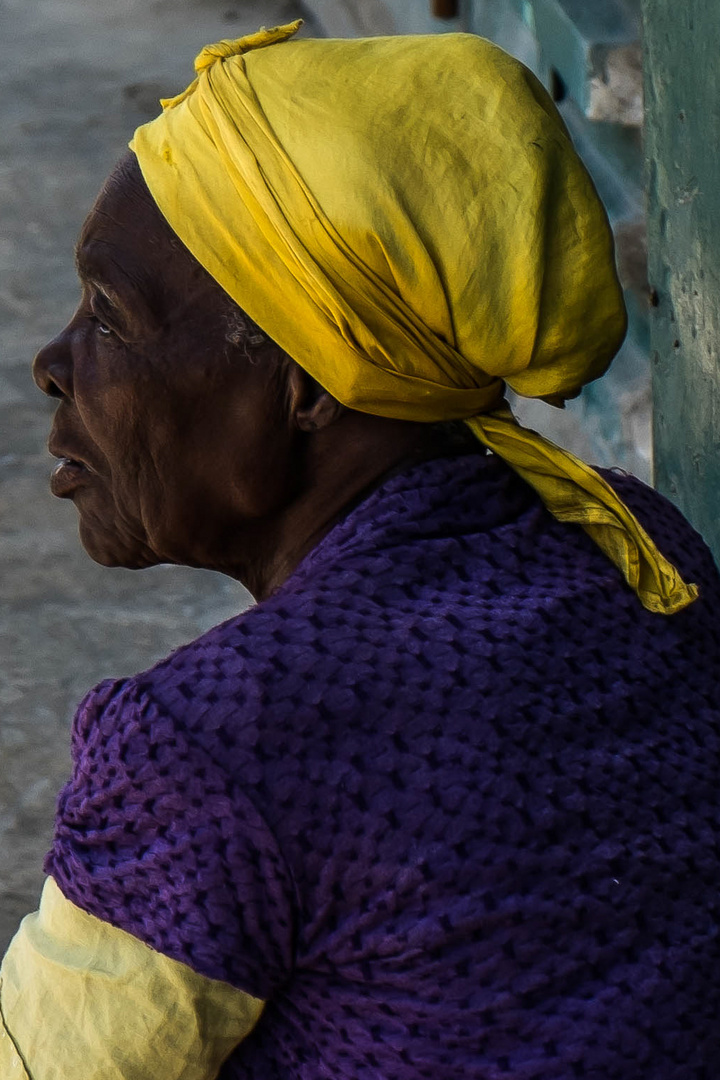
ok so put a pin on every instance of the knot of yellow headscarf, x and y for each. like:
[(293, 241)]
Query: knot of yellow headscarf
[(408, 219), (227, 47), (221, 50)]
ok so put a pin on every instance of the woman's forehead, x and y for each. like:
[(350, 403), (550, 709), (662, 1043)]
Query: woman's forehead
[(126, 247)]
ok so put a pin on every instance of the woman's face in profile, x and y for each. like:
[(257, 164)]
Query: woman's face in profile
[(173, 441)]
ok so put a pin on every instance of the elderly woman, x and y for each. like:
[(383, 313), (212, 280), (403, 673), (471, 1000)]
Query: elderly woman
[(445, 801)]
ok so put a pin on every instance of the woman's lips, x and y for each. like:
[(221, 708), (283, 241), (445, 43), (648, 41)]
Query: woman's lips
[(67, 476)]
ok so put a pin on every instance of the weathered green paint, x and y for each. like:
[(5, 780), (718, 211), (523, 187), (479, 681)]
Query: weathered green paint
[(682, 46)]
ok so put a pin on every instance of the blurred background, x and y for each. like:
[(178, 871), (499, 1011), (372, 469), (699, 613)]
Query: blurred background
[(76, 78)]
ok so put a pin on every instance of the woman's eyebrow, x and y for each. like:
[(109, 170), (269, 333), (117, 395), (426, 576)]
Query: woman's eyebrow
[(111, 303), (108, 305), (125, 289), (109, 294)]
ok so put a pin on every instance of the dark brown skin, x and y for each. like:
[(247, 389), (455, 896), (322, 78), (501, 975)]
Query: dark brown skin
[(186, 448)]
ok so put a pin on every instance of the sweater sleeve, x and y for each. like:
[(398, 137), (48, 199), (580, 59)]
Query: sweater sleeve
[(156, 838), (80, 998)]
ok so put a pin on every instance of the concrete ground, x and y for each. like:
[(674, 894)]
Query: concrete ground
[(76, 78)]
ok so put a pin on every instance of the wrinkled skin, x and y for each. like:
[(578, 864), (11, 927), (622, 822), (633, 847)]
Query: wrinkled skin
[(188, 448)]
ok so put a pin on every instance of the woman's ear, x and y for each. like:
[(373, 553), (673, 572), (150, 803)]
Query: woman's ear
[(310, 406)]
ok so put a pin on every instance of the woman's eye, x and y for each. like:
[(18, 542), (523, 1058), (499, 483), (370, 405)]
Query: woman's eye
[(100, 326)]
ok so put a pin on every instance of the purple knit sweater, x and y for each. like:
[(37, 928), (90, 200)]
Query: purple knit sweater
[(449, 800)]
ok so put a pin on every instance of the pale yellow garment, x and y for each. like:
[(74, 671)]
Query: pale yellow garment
[(407, 218), (82, 1000)]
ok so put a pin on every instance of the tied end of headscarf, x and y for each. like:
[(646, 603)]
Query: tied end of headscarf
[(656, 581), (573, 492), (223, 50)]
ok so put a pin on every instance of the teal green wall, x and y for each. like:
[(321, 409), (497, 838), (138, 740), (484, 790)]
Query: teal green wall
[(682, 50)]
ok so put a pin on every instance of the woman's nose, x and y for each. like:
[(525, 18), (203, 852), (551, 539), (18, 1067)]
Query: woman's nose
[(52, 367)]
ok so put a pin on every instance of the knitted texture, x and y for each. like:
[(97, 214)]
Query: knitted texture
[(449, 799)]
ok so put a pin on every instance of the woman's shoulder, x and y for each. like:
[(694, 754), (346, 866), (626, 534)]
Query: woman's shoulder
[(226, 678)]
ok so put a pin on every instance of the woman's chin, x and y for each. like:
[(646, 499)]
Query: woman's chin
[(112, 551)]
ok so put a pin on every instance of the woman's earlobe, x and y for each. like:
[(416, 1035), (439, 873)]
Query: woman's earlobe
[(312, 407), (323, 412)]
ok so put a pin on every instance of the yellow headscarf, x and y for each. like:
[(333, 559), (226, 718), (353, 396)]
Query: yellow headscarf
[(407, 218)]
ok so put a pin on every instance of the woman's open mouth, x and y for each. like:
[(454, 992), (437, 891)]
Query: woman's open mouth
[(67, 476)]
